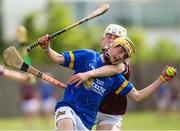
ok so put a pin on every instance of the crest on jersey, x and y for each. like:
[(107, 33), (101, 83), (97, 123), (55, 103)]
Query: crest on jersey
[(60, 113), (88, 84)]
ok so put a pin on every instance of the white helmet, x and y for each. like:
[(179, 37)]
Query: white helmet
[(116, 30)]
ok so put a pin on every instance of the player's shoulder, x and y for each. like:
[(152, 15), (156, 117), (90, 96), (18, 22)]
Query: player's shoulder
[(81, 51), (88, 52)]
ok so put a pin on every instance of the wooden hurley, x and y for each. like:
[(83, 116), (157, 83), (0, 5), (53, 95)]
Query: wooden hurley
[(12, 59)]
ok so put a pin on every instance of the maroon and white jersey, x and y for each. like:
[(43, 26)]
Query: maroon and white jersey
[(114, 104)]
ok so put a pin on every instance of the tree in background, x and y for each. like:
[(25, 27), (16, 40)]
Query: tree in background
[(166, 51)]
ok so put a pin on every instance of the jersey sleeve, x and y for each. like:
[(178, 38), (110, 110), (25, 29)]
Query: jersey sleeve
[(76, 59), (122, 86)]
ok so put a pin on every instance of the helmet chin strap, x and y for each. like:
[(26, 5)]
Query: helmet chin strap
[(107, 58)]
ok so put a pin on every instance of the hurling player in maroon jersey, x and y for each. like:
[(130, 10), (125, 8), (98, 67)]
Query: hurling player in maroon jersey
[(113, 106)]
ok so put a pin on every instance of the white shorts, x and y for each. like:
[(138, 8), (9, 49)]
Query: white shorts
[(67, 112), (102, 119), (31, 106)]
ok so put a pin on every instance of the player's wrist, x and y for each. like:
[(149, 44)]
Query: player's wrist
[(48, 48), (89, 74), (162, 79)]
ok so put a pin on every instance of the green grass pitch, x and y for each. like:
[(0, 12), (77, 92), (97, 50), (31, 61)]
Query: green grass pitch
[(131, 121)]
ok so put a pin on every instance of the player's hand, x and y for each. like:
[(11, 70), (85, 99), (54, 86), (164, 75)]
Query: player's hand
[(44, 42), (166, 76), (78, 78), (1, 69)]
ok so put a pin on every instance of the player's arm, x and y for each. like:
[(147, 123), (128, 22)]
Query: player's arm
[(139, 95), (13, 75), (108, 70), (50, 53)]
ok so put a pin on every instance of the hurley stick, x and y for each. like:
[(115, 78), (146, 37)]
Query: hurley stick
[(99, 11), (12, 59)]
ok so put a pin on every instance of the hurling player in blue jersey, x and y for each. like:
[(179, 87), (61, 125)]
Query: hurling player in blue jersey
[(78, 109), (113, 106)]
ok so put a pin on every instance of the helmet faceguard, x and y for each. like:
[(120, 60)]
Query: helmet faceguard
[(107, 57), (126, 43)]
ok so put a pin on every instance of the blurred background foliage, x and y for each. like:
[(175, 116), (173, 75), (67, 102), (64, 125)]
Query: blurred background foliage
[(164, 50), (60, 16)]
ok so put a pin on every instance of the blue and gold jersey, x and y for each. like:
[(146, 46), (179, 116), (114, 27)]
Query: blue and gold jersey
[(85, 99)]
